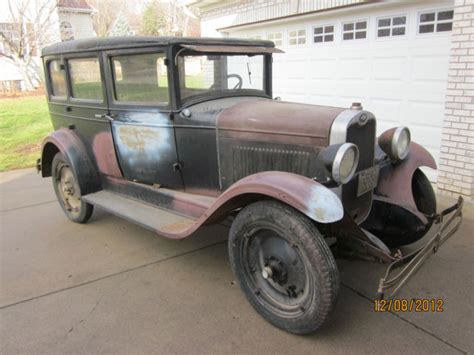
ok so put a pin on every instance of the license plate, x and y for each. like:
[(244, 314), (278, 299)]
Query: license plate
[(367, 180)]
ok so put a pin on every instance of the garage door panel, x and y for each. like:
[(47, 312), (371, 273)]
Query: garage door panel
[(353, 68), (389, 68), (389, 90), (424, 113), (327, 87), (427, 91), (326, 100), (323, 68), (430, 68), (298, 69), (429, 137), (385, 109)]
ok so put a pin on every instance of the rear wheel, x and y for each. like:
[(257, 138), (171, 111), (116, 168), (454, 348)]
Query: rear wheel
[(284, 266), (68, 192)]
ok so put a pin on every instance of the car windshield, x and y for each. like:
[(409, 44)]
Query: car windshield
[(201, 74)]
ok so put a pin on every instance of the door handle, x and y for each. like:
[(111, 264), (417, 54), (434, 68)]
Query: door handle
[(105, 116)]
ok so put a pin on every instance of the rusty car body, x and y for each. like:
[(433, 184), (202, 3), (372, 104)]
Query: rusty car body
[(176, 133)]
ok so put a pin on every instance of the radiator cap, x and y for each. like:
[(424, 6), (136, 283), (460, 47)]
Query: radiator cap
[(356, 106)]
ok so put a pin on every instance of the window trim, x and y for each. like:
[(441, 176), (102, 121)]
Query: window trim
[(334, 33), (390, 37), (435, 22), (367, 20), (69, 81), (297, 44), (51, 95), (124, 105)]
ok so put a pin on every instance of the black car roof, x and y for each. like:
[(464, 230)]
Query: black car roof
[(95, 44)]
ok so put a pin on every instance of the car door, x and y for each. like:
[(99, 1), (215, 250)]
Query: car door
[(85, 111), (140, 115)]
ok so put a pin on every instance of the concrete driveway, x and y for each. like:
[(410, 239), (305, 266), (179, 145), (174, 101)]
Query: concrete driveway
[(112, 287)]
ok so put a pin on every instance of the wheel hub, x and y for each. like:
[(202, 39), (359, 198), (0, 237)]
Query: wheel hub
[(275, 270)]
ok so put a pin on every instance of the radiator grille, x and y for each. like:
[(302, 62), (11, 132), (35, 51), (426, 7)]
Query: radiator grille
[(363, 137), (250, 160)]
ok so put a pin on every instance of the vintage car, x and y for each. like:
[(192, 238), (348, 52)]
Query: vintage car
[(176, 133)]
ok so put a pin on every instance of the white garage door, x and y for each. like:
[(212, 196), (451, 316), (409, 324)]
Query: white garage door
[(394, 60)]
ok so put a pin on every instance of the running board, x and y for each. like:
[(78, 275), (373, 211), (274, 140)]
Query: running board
[(153, 218)]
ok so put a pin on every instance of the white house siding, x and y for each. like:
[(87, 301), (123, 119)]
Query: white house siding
[(403, 81), (230, 13)]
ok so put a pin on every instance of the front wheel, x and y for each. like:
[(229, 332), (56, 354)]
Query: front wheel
[(68, 192), (284, 266)]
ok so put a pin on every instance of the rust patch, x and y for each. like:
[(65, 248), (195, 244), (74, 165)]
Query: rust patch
[(136, 138), (104, 151)]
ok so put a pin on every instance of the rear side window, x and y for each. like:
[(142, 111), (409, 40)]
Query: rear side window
[(58, 80), (141, 78), (86, 82)]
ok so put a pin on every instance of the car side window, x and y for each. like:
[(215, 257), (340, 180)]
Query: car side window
[(86, 81), (58, 79), (141, 78)]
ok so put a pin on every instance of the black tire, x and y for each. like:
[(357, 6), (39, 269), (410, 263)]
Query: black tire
[(61, 172), (268, 238)]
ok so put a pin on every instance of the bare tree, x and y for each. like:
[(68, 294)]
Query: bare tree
[(105, 14), (30, 28)]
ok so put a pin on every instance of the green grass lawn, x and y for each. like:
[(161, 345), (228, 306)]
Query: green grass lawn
[(24, 122)]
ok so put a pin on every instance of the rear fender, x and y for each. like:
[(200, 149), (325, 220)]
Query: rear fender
[(69, 144), (307, 196), (395, 180)]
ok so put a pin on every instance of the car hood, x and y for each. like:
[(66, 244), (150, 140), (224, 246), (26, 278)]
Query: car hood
[(278, 121)]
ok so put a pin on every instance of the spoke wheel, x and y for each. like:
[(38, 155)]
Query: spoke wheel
[(284, 266), (68, 191)]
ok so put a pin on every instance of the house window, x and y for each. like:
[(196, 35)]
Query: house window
[(297, 37), (354, 30), (58, 80), (66, 31), (391, 26), (86, 82), (436, 21), (323, 34), (276, 37)]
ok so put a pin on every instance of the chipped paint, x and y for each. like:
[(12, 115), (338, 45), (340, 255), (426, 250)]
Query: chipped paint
[(324, 205)]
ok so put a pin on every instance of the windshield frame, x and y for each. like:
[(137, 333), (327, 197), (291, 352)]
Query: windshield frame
[(211, 95)]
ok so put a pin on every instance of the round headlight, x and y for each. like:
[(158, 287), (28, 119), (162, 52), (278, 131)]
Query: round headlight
[(401, 143), (345, 163), (395, 142)]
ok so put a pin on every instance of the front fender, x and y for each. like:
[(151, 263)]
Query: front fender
[(395, 179), (70, 145), (306, 195)]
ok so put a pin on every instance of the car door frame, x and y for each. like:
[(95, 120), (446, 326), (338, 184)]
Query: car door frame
[(170, 168), (86, 117)]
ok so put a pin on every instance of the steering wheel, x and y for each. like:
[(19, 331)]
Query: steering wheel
[(237, 86)]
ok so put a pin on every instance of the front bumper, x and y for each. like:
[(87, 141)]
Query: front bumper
[(355, 242), (446, 223)]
